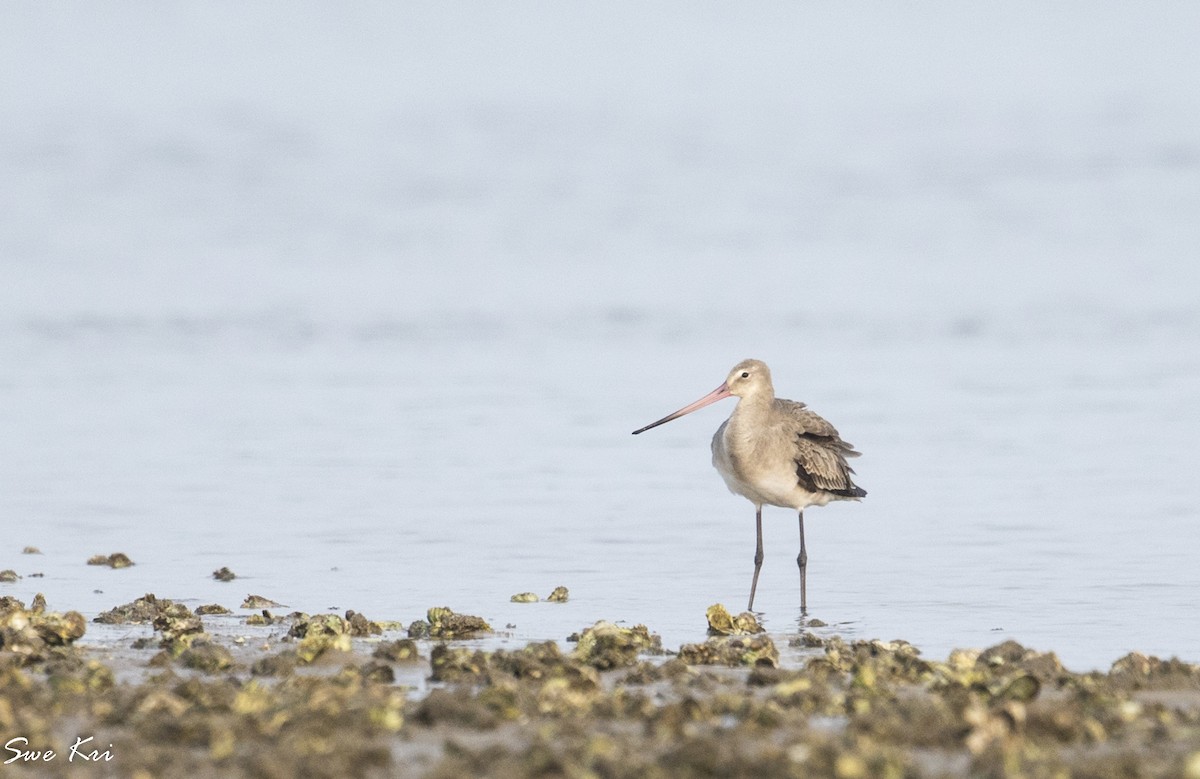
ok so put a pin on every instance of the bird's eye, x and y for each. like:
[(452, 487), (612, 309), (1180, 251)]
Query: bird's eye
[(745, 374)]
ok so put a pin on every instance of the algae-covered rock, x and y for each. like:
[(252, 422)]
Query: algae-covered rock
[(720, 623), (180, 628), (1045, 666), (278, 664), (451, 664), (263, 618), (31, 635), (320, 633), (315, 645), (206, 656), (143, 610), (457, 709), (447, 624), (259, 602), (328, 624), (1136, 671), (223, 574), (1007, 671), (58, 629), (398, 651), (114, 560), (1020, 686), (542, 661), (213, 609), (361, 627), (175, 622), (559, 595), (8, 576), (379, 673), (807, 639), (524, 597), (606, 645), (732, 651)]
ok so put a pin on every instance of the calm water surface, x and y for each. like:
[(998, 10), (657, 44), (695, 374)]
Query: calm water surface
[(378, 341)]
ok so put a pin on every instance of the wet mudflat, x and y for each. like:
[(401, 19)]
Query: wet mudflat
[(204, 693)]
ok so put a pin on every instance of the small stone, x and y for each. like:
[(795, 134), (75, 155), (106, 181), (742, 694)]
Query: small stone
[(212, 608), (559, 595), (524, 597), (31, 550), (223, 574), (8, 575)]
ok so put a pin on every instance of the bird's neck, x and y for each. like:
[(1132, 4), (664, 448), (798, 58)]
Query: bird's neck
[(754, 405)]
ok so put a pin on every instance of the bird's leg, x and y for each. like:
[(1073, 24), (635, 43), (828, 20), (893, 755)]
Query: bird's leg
[(758, 555), (802, 561)]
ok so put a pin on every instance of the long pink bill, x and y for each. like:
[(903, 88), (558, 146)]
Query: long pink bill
[(720, 393)]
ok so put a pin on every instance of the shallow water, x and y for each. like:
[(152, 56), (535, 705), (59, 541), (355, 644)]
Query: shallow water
[(370, 323)]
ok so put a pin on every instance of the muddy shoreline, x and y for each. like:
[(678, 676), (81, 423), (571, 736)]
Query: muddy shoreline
[(156, 688)]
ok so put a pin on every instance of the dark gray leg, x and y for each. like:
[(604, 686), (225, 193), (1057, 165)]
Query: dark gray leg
[(802, 561), (758, 555)]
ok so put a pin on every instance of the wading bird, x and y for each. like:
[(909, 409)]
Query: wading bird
[(775, 452)]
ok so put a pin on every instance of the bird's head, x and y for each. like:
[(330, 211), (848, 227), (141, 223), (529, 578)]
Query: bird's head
[(750, 377)]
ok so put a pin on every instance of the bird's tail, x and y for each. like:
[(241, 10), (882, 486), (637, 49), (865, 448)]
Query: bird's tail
[(854, 491)]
